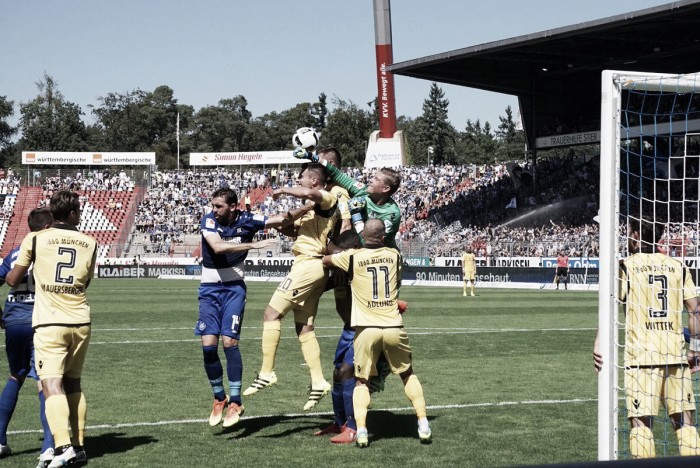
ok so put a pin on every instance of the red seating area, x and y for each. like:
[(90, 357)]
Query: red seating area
[(108, 216), (28, 198)]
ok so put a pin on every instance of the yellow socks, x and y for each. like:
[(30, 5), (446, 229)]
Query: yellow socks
[(272, 330), (57, 416), (688, 442), (414, 392), (360, 402), (642, 443), (312, 356), (78, 413)]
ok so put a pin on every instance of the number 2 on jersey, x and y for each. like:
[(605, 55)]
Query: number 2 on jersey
[(61, 276)]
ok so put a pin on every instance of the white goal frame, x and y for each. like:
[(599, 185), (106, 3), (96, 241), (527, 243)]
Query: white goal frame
[(612, 84)]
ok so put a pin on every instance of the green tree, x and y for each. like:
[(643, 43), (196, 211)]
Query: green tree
[(50, 123), (511, 140), (7, 131), (320, 112), (273, 131), (348, 129), (159, 111), (223, 127), (433, 130), (119, 122), (407, 125), (477, 143), (143, 121)]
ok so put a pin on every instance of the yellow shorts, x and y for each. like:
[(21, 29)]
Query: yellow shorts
[(60, 350), (470, 276), (301, 289), (369, 344), (646, 388)]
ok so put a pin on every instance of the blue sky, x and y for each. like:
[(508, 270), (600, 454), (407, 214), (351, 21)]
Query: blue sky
[(276, 53)]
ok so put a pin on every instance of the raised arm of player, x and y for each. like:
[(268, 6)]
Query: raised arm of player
[(219, 246), (304, 193), (339, 177), (694, 327), (288, 218)]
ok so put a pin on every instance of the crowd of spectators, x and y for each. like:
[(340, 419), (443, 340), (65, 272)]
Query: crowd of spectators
[(176, 201), (491, 208), (83, 181), (496, 211), (445, 208)]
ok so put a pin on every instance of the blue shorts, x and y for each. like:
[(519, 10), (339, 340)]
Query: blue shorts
[(344, 352), (19, 346), (221, 308)]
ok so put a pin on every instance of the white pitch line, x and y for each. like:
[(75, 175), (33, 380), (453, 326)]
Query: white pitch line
[(326, 413), (412, 332)]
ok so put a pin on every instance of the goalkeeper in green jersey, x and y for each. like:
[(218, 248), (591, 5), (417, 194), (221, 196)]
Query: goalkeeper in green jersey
[(368, 201)]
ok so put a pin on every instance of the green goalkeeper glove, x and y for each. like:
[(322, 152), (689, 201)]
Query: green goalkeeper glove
[(301, 153)]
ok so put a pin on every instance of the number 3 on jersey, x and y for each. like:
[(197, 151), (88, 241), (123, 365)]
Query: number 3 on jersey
[(661, 290)]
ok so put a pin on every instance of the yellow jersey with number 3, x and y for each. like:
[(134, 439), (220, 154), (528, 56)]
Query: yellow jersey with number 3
[(654, 287), (64, 262)]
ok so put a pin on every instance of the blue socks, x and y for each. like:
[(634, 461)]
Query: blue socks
[(234, 370), (48, 437), (8, 401), (215, 373), (348, 388), (338, 403)]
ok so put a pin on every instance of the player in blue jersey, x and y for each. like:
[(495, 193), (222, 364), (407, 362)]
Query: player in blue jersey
[(19, 346), (227, 236), (343, 424)]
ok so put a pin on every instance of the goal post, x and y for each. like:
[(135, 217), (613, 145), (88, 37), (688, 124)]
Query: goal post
[(647, 121)]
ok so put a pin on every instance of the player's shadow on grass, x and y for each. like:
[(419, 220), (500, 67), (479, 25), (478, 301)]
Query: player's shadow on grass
[(287, 425), (114, 442), (383, 424)]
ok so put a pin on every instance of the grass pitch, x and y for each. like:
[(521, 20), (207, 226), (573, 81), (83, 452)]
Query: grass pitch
[(507, 375)]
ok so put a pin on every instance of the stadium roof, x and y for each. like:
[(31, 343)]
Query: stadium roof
[(556, 73)]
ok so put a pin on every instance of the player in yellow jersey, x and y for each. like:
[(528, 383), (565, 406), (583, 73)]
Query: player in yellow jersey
[(301, 290), (375, 277), (342, 220), (64, 262), (469, 270), (654, 288)]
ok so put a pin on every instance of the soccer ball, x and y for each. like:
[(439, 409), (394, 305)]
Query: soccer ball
[(305, 137)]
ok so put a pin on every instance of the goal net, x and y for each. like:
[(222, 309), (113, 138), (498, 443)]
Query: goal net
[(650, 155)]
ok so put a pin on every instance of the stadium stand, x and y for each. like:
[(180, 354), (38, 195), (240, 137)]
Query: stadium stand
[(493, 208)]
